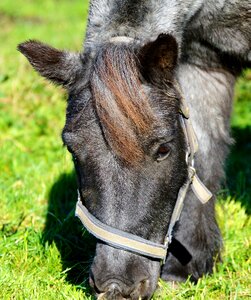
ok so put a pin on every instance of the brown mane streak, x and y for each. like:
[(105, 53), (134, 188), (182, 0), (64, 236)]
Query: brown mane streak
[(121, 103)]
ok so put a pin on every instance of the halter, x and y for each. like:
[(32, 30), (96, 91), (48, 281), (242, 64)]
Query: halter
[(133, 243)]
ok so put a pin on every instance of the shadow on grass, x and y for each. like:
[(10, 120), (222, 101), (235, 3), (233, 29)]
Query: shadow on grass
[(75, 245), (238, 167)]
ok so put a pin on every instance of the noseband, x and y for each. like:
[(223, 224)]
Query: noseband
[(133, 243)]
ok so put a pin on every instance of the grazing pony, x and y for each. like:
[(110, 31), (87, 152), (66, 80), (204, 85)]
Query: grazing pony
[(142, 60)]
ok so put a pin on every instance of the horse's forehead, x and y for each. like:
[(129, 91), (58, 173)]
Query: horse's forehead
[(117, 108)]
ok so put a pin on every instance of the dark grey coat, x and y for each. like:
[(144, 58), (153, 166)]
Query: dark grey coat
[(207, 44)]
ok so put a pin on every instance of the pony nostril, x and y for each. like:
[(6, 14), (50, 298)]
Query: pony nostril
[(113, 293), (141, 289), (105, 289), (93, 285), (114, 287), (120, 288)]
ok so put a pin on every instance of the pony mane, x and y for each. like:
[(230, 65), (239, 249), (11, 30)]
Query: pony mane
[(121, 104)]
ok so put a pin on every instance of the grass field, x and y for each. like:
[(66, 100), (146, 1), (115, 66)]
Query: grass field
[(41, 253)]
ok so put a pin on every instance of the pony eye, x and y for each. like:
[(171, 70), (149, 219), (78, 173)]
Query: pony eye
[(163, 152)]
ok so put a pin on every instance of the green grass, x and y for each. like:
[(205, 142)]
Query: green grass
[(41, 254)]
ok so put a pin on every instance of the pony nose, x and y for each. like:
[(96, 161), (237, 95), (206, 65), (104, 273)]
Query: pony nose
[(118, 290), (113, 293)]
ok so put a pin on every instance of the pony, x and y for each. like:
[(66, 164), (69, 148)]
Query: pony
[(140, 60)]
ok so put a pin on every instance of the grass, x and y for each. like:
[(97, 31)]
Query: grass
[(41, 254)]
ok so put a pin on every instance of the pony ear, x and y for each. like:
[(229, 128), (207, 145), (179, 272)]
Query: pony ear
[(61, 67), (160, 55)]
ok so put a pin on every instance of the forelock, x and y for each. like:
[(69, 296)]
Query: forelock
[(120, 101)]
